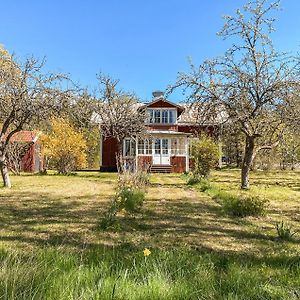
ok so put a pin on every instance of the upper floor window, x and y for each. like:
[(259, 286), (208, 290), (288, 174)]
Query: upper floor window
[(162, 116)]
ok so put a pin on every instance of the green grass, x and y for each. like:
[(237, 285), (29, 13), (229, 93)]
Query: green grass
[(117, 273), (51, 246)]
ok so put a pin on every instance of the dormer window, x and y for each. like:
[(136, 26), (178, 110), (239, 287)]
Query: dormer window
[(162, 115)]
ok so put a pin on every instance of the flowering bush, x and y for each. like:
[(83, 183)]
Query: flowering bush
[(129, 197), (65, 146), (205, 154)]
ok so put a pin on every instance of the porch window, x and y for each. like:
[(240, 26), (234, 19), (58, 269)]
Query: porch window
[(141, 146), (173, 146), (157, 146), (145, 146), (129, 147), (164, 146), (178, 146), (181, 146), (148, 146)]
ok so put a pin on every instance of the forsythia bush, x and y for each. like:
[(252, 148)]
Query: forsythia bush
[(65, 147), (205, 154)]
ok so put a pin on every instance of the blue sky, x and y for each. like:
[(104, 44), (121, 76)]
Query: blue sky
[(142, 43)]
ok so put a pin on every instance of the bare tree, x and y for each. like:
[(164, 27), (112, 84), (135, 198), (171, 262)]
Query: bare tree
[(119, 114), (250, 82), (16, 152), (27, 95)]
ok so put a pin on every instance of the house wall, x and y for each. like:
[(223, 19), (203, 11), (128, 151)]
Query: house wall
[(144, 162), (27, 163), (109, 150), (210, 130), (178, 164), (33, 161), (163, 127)]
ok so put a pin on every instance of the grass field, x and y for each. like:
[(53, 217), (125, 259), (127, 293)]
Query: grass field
[(52, 247)]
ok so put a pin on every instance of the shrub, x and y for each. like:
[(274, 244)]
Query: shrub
[(204, 185), (193, 179), (205, 154), (65, 146), (285, 231), (242, 206), (130, 199), (135, 180)]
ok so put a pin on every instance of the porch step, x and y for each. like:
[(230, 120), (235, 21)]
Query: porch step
[(160, 169)]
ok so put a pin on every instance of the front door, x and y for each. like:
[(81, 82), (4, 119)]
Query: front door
[(161, 153)]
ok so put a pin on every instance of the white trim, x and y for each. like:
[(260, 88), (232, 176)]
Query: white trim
[(164, 100), (187, 155), (147, 121)]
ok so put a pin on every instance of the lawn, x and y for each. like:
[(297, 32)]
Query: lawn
[(52, 246)]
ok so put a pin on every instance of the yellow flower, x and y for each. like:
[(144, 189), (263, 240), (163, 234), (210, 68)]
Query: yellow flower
[(121, 213), (146, 252)]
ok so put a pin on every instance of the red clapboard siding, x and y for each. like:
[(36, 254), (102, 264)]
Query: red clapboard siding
[(178, 164), (109, 150)]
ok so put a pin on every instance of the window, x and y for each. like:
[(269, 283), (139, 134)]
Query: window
[(178, 146), (162, 116), (150, 116), (181, 146), (145, 146), (148, 146), (157, 146), (172, 118), (141, 146), (129, 147), (157, 116), (174, 146), (165, 146)]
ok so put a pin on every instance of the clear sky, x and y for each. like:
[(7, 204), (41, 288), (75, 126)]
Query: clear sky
[(142, 43)]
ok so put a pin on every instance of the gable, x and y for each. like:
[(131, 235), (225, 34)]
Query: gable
[(161, 103)]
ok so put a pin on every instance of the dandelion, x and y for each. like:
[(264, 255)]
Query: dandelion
[(146, 252)]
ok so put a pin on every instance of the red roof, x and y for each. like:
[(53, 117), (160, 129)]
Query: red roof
[(24, 136)]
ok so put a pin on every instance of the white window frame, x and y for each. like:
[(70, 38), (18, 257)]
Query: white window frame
[(177, 151), (149, 142), (151, 115), (132, 148)]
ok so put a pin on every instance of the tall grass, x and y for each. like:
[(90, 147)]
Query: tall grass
[(122, 273)]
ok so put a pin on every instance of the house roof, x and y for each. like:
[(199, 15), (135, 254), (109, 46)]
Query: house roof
[(199, 113), (163, 100), (188, 114), (25, 136)]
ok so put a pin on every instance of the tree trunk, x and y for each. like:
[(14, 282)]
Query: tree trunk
[(4, 172), (247, 161)]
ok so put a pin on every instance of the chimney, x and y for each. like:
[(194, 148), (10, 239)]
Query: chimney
[(158, 94)]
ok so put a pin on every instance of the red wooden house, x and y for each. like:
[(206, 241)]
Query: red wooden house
[(170, 128)]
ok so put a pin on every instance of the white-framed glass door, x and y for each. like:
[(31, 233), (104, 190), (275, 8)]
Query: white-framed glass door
[(161, 151)]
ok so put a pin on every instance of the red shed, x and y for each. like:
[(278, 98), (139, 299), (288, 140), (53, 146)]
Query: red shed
[(33, 160)]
